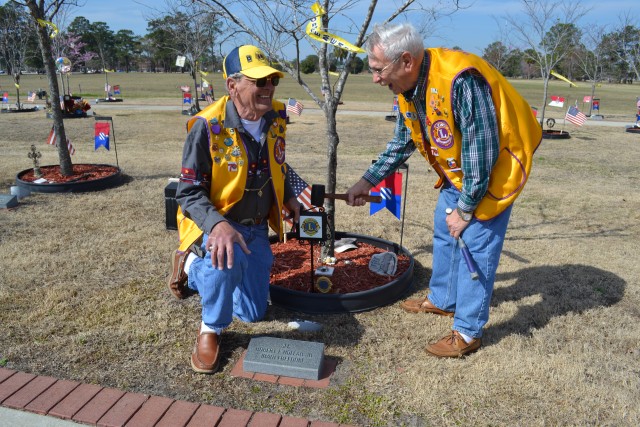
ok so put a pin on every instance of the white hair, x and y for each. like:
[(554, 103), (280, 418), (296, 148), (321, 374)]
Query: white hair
[(394, 39)]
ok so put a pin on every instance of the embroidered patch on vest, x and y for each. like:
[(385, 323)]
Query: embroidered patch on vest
[(232, 167), (278, 150), (441, 134), (409, 115)]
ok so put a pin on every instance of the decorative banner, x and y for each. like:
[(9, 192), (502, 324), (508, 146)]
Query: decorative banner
[(116, 89), (553, 73), (556, 101), (391, 191), (54, 29), (101, 139), (315, 32), (5, 97), (186, 98), (596, 104)]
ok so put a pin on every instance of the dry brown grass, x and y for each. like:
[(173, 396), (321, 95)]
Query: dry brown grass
[(83, 294)]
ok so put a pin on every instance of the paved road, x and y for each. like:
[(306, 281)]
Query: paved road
[(99, 108)]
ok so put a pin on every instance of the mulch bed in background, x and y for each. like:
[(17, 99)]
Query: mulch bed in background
[(292, 267), (81, 172)]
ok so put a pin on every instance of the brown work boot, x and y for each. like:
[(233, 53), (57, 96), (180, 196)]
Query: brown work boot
[(205, 357), (178, 277), (453, 345), (423, 306)]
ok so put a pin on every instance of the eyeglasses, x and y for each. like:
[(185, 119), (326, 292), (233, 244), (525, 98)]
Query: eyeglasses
[(261, 82), (379, 71)]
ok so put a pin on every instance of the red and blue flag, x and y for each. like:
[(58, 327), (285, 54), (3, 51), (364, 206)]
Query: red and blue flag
[(391, 191), (102, 131)]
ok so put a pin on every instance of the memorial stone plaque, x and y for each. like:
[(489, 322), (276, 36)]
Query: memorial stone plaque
[(8, 201), (290, 358)]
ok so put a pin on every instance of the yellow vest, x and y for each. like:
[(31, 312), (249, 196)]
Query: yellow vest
[(231, 166), (519, 132)]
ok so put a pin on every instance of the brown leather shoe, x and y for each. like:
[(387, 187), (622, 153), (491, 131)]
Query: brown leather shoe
[(205, 357), (453, 345), (178, 278), (423, 306)]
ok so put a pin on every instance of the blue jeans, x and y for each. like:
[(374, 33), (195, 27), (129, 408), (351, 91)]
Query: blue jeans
[(241, 291), (451, 287)]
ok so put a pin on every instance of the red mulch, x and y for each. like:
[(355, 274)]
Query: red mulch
[(292, 267), (81, 172)]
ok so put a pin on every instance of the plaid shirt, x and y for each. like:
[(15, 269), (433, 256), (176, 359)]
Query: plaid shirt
[(474, 114)]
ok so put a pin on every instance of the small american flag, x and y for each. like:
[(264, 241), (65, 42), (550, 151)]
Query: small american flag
[(301, 190), (51, 140), (31, 97), (295, 106), (185, 88), (575, 116)]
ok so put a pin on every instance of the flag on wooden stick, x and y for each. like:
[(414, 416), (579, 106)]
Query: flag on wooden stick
[(51, 140)]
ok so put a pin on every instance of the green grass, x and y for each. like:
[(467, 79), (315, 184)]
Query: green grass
[(616, 100)]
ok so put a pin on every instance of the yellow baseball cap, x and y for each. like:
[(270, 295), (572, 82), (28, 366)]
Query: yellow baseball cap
[(248, 60)]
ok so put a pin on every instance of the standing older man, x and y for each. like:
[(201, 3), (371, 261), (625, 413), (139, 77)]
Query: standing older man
[(479, 135), (233, 183)]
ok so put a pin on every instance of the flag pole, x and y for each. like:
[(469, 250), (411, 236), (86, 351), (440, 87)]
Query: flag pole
[(113, 131), (564, 119), (404, 201)]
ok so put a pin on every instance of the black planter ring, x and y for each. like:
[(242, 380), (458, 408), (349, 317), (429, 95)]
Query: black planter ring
[(21, 110), (71, 187), (555, 134), (319, 303), (634, 129)]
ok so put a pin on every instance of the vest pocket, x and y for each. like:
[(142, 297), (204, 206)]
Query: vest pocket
[(508, 177)]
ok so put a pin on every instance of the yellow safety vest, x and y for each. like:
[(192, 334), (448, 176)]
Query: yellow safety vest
[(519, 132), (231, 166)]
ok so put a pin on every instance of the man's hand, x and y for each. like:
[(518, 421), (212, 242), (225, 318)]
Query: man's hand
[(220, 244), (456, 224), (294, 206), (360, 188)]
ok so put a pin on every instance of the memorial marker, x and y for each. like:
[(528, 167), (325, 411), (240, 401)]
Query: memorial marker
[(287, 357)]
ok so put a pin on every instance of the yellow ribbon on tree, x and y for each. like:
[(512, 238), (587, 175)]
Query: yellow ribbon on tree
[(17, 85), (553, 73), (204, 73), (314, 30), (54, 29)]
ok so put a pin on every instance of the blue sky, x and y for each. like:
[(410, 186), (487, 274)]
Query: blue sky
[(472, 29)]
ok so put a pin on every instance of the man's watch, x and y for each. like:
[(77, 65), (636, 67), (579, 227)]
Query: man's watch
[(466, 216)]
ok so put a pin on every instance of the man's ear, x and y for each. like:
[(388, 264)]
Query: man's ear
[(407, 61), (231, 84)]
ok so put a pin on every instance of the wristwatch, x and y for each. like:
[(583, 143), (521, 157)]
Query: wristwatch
[(466, 216)]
